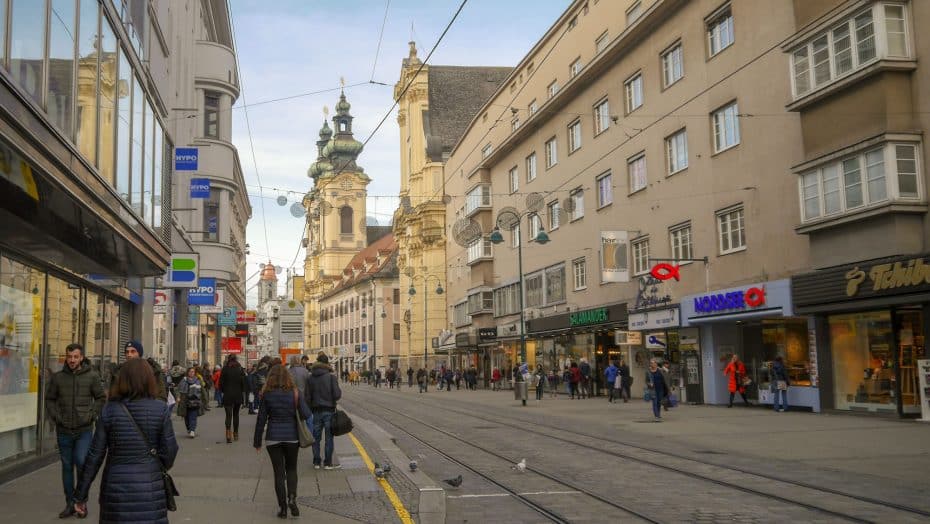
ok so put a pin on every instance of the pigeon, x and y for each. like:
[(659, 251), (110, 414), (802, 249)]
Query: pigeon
[(520, 466), (413, 465), (386, 467), (456, 482), (379, 473)]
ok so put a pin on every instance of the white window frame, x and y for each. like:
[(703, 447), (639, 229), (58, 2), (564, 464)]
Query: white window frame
[(574, 136), (515, 123), (479, 249), (633, 87), (575, 68), (535, 223), (640, 252), (552, 152), (580, 274), (514, 176), (479, 197), (673, 66), (726, 220), (577, 197), (486, 151), (720, 32), (553, 209), (531, 167), (720, 120), (676, 151), (532, 107), (553, 88), (605, 190), (515, 236), (601, 116), (600, 43), (634, 12), (840, 176), (681, 242), (637, 175)]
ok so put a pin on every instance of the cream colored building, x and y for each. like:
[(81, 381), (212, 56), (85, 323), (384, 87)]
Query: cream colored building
[(435, 104)]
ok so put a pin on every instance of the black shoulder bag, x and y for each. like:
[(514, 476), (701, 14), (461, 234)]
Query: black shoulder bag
[(342, 424), (170, 490)]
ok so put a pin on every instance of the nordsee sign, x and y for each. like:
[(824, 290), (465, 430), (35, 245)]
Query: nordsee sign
[(200, 188), (740, 299), (185, 159), (591, 316)]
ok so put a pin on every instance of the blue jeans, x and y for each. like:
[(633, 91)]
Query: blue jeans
[(219, 397), (657, 396), (190, 419), (323, 419), (784, 398), (73, 450)]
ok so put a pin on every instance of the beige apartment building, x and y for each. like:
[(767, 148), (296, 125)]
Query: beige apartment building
[(708, 136)]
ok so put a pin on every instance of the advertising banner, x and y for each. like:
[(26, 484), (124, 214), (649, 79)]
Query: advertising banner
[(614, 256), (183, 270), (216, 309), (227, 317), (185, 158), (204, 294), (162, 300)]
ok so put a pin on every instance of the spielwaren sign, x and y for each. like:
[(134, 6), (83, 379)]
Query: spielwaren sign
[(869, 279)]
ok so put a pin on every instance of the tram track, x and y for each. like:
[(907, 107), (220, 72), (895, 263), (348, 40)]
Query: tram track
[(546, 512), (529, 426)]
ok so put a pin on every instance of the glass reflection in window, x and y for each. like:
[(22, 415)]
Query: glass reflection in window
[(123, 123), (88, 74), (109, 89), (60, 100)]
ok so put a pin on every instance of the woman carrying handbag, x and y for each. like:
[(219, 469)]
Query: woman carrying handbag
[(736, 371), (135, 436), (280, 399)]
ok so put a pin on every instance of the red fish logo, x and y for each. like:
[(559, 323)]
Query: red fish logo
[(665, 271)]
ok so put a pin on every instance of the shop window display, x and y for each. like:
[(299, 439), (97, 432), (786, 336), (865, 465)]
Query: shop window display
[(863, 363)]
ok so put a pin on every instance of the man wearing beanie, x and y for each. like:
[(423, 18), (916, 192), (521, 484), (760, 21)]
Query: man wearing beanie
[(322, 394), (134, 350)]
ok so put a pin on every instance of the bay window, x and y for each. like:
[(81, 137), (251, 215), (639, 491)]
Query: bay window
[(478, 197)]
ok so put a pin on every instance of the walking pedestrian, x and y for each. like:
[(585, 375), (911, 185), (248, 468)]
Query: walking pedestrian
[(133, 350), (736, 371), (280, 397), (657, 387), (132, 424), (448, 379), (567, 380), (216, 384), (496, 379), (235, 388), (73, 399), (322, 395), (586, 377), (175, 375), (410, 377), (299, 373), (611, 374), (576, 380), (422, 379), (206, 375), (666, 374), (780, 384), (626, 380), (540, 378), (190, 400), (553, 383)]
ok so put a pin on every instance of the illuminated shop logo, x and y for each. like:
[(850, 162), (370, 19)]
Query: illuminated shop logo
[(751, 298)]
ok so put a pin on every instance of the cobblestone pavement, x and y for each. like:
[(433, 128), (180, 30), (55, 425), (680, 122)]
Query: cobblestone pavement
[(710, 455)]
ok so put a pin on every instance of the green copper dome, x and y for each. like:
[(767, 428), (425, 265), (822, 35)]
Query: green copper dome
[(325, 132), (343, 106)]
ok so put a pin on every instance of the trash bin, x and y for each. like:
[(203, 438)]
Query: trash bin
[(520, 391)]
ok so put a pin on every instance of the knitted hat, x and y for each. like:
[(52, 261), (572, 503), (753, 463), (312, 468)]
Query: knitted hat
[(135, 344)]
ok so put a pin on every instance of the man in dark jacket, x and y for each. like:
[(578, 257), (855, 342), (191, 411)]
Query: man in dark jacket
[(73, 400), (235, 392), (134, 350), (322, 394), (586, 382)]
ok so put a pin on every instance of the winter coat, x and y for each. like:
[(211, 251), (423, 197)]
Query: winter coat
[(658, 381), (576, 375), (735, 384), (409, 374), (301, 376), (73, 399), (260, 377), (232, 383), (161, 379), (131, 489), (183, 388), (276, 411), (496, 375), (585, 370), (216, 379), (323, 389), (611, 373), (421, 375), (779, 372)]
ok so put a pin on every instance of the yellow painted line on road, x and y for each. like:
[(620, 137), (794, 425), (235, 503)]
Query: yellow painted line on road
[(385, 485)]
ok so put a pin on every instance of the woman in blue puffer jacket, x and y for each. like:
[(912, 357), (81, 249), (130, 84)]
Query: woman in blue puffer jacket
[(132, 489), (280, 401)]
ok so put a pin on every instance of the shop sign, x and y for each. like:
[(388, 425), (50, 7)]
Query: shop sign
[(246, 316), (162, 300), (231, 345), (631, 338), (217, 308), (659, 319), (656, 341), (485, 334), (185, 158), (614, 258), (651, 294), (906, 274), (183, 270), (204, 294), (590, 316), (242, 330), (463, 340), (200, 188), (227, 317), (666, 271), (740, 299)]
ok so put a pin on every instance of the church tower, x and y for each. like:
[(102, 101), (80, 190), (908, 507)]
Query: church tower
[(267, 284), (336, 209)]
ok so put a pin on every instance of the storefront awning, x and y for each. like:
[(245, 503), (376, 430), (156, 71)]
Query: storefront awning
[(732, 317)]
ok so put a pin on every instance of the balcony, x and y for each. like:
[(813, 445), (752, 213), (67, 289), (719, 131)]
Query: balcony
[(216, 67)]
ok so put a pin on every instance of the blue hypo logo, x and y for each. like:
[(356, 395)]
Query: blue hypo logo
[(200, 188), (185, 159)]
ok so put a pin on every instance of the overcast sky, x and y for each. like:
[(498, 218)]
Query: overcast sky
[(289, 48)]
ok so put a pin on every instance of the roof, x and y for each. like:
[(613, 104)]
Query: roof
[(386, 246), (268, 272), (456, 93), (375, 233)]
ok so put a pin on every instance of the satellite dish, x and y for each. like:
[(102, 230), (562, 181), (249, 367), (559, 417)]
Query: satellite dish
[(535, 202), (282, 200), (508, 218), (297, 210), (466, 231)]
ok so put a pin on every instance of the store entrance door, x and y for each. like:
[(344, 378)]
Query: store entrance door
[(909, 337)]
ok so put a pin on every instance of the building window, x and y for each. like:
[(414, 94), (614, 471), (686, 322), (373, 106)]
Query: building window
[(555, 284), (601, 116), (534, 290), (396, 330), (479, 249), (680, 239), (479, 197), (553, 88), (640, 256), (601, 43), (726, 127), (574, 136), (514, 176), (636, 168), (634, 92), (672, 66), (531, 167), (346, 215), (552, 155), (535, 226), (486, 151), (507, 300), (634, 12), (533, 107), (580, 273), (480, 302), (575, 68), (605, 190), (732, 230), (460, 315), (554, 209), (515, 123), (867, 178), (211, 217), (211, 115), (515, 236), (720, 31), (577, 199), (27, 48), (676, 151), (396, 296)]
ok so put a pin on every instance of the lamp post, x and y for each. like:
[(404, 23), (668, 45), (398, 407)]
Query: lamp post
[(541, 238), (374, 332), (412, 291)]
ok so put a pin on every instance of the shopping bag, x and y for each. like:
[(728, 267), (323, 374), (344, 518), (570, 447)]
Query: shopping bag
[(171, 400)]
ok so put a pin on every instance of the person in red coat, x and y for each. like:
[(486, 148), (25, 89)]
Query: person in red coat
[(736, 370), (496, 379)]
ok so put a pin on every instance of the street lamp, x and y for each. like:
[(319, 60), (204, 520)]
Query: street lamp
[(541, 238), (374, 334), (412, 291)]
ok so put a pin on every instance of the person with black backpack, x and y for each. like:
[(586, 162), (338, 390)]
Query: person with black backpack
[(322, 394), (190, 401)]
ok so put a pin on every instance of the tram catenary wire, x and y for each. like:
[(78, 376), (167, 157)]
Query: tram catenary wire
[(527, 426), (548, 513)]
